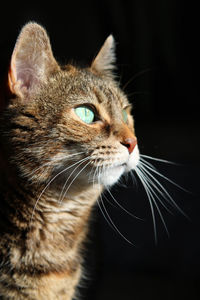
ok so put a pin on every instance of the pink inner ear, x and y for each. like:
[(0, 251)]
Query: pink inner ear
[(22, 77), (27, 78)]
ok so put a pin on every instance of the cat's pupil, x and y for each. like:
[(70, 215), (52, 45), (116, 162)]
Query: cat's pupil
[(86, 114)]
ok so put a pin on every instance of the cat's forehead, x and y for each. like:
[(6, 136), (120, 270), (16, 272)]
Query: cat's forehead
[(87, 86)]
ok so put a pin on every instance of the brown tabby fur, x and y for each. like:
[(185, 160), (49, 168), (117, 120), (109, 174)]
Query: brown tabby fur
[(41, 238)]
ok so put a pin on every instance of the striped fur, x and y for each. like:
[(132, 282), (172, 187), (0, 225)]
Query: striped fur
[(54, 166)]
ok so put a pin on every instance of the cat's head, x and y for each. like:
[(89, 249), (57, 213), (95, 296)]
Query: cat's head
[(67, 122)]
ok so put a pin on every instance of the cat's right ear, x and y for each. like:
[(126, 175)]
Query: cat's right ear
[(104, 62), (32, 61)]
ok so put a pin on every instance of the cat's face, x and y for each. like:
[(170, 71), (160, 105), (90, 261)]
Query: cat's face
[(72, 122)]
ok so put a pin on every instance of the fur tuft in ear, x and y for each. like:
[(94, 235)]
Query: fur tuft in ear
[(32, 60), (104, 62)]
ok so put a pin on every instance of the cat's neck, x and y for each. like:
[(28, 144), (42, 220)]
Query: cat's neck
[(47, 199), (48, 229), (41, 221), (47, 236)]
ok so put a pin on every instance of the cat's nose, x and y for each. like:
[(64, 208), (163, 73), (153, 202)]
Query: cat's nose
[(130, 143)]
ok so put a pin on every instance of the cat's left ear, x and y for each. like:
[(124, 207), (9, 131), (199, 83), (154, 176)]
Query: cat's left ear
[(32, 61), (104, 62)]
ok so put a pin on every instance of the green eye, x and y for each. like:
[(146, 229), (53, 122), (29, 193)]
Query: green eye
[(125, 116), (85, 113)]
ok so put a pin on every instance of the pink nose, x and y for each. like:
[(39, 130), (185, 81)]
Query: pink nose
[(130, 143)]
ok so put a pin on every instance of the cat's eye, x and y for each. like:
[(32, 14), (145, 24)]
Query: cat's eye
[(125, 116), (85, 113)]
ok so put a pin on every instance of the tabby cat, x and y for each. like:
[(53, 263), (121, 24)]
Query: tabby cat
[(66, 134)]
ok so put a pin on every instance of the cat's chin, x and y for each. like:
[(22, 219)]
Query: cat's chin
[(112, 175)]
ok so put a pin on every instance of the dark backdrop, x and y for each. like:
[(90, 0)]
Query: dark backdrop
[(158, 67)]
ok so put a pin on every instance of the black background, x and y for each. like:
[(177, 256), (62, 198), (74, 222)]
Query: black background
[(158, 67)]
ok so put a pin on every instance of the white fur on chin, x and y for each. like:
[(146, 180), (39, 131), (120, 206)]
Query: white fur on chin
[(112, 175)]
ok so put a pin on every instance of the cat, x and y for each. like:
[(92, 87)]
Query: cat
[(67, 133)]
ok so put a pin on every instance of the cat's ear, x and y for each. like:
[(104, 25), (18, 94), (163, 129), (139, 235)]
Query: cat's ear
[(104, 62), (31, 62)]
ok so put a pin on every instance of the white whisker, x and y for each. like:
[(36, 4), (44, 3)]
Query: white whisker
[(41, 167), (134, 181), (64, 195), (48, 184), (154, 202), (143, 161), (103, 209), (97, 169), (164, 190), (140, 176), (112, 223), (124, 209), (63, 188), (166, 178), (51, 162), (159, 159), (151, 185), (103, 214)]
